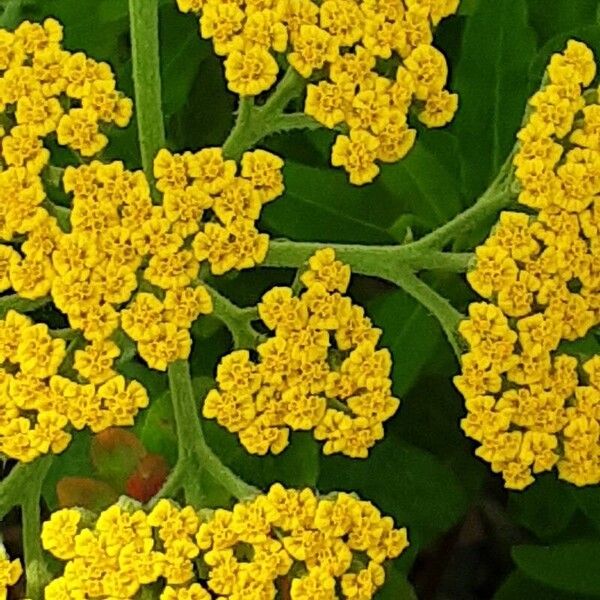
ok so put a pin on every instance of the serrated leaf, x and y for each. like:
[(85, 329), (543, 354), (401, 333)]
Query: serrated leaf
[(570, 567), (492, 82)]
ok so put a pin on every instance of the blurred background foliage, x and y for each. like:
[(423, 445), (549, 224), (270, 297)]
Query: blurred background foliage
[(470, 538)]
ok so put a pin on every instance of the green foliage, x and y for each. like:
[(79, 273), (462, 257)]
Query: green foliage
[(492, 81), (571, 567), (424, 474)]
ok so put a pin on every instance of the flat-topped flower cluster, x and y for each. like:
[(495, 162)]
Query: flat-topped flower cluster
[(532, 405), (321, 371), (371, 63), (286, 541)]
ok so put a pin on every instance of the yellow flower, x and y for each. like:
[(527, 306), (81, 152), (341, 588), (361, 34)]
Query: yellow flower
[(96, 360), (39, 354), (429, 70), (313, 47), (250, 71), (357, 154)]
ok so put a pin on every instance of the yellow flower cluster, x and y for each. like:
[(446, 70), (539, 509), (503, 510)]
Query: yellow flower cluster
[(205, 186), (321, 371), (530, 405), (46, 90), (342, 43), (286, 541), (10, 572), (37, 405)]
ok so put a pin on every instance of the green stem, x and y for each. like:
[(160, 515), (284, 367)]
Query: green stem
[(12, 486), (194, 452), (237, 320), (288, 88), (375, 261), (255, 123), (439, 307), (493, 200), (36, 569), (143, 15), (172, 485)]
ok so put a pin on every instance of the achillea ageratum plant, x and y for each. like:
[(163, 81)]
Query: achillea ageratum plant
[(107, 274)]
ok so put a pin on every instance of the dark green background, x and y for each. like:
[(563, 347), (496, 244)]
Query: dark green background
[(470, 538)]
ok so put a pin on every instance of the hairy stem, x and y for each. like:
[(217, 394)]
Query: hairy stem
[(36, 570), (255, 123), (439, 307), (143, 16), (194, 452), (12, 486), (375, 261), (237, 320)]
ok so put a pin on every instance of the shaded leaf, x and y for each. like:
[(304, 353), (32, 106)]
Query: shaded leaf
[(492, 82), (545, 507), (571, 567), (73, 462), (159, 433), (424, 185), (518, 586), (410, 333), (588, 501), (396, 587), (404, 481), (182, 53), (551, 18), (320, 205)]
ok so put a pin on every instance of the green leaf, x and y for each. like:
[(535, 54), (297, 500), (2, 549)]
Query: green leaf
[(492, 82), (551, 18), (320, 204), (411, 334), (518, 586), (182, 52), (158, 432), (588, 501), (405, 482), (546, 508), (571, 567), (422, 183), (396, 587), (296, 466), (73, 462)]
